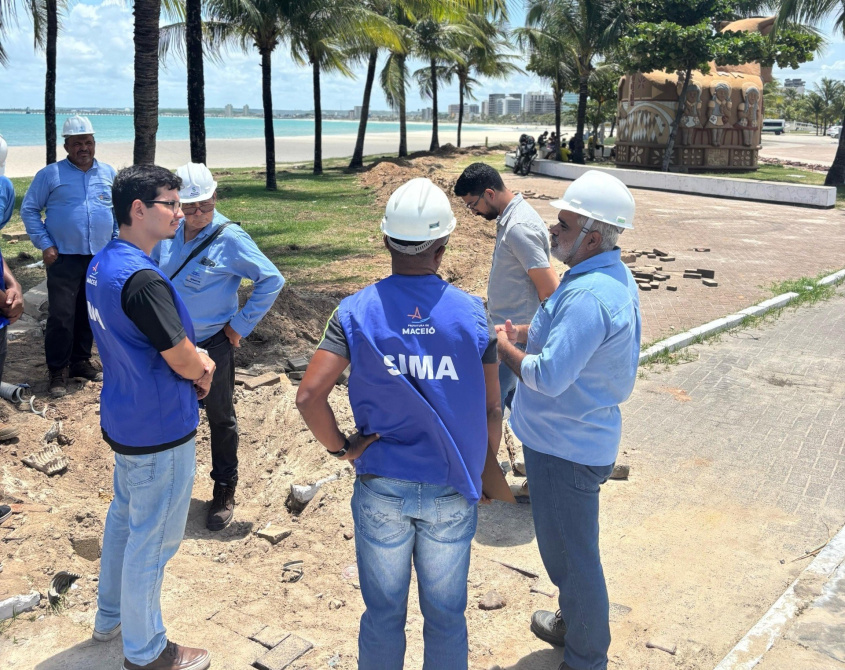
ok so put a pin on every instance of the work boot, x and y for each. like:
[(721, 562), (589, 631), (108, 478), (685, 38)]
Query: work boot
[(106, 635), (86, 370), (174, 657), (7, 432), (222, 507), (548, 627), (58, 382), (5, 513)]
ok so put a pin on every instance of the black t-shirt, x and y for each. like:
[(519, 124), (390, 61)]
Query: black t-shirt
[(334, 339), (146, 299)]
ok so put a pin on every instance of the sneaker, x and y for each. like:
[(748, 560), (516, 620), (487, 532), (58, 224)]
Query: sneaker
[(222, 508), (105, 636), (7, 432), (549, 627), (175, 657), (86, 370), (58, 382), (5, 513)]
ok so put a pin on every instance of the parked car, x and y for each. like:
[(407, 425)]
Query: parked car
[(834, 132), (776, 126)]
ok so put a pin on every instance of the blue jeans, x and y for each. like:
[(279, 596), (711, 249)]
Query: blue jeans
[(395, 521), (144, 527), (507, 381), (565, 507)]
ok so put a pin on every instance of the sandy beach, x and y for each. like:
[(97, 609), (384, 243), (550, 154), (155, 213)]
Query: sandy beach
[(26, 161)]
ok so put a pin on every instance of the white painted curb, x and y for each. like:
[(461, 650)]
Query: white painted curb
[(750, 649), (721, 187), (685, 339)]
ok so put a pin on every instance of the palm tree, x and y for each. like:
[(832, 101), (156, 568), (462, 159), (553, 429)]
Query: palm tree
[(815, 105), (829, 91), (145, 91), (816, 12), (588, 28)]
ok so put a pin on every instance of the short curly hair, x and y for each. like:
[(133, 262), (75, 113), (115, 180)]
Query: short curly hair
[(477, 178)]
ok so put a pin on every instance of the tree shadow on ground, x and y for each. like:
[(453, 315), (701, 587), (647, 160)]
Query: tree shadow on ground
[(86, 655), (544, 659)]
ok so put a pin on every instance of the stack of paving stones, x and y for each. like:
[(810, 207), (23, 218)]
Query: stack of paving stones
[(651, 276)]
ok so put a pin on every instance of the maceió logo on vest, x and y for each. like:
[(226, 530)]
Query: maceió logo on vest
[(418, 325), (421, 367)]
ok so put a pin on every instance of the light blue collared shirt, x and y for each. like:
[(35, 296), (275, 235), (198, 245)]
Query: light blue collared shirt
[(7, 200), (79, 217), (209, 283), (583, 351)]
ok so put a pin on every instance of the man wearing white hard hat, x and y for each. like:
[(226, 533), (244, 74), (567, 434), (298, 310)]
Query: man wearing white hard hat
[(424, 390), (206, 261), (74, 196), (581, 360)]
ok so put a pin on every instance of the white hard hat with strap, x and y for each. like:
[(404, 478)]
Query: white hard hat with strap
[(418, 211)]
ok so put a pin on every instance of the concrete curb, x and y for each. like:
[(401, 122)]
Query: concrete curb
[(749, 651), (734, 188), (725, 323)]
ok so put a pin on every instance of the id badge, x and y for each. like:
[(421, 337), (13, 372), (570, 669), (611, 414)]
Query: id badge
[(193, 279)]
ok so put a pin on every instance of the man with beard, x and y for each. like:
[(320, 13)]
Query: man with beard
[(521, 276), (583, 349)]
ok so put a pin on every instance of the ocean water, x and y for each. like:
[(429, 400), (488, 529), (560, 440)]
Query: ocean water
[(28, 129)]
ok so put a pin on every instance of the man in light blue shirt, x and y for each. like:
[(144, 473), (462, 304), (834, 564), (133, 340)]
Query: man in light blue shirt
[(583, 348), (7, 189), (206, 261), (78, 223)]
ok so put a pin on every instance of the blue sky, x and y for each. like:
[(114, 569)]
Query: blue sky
[(95, 70)]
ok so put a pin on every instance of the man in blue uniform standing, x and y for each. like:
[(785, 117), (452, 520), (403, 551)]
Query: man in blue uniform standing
[(153, 374), (583, 348), (78, 222), (424, 391), (206, 260)]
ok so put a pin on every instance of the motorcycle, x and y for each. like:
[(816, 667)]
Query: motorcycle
[(525, 154)]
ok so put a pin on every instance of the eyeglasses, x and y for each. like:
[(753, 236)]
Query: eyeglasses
[(193, 208), (473, 206), (174, 205)]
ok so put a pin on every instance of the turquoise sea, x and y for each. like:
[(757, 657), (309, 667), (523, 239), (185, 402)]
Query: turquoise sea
[(28, 129)]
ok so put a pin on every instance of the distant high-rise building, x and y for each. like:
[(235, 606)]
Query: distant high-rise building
[(426, 114), (246, 110), (539, 103), (229, 110), (484, 108), (356, 112), (494, 104), (512, 105), (469, 110), (796, 84)]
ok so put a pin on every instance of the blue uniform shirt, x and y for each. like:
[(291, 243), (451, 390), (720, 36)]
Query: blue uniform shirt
[(583, 351), (79, 217), (209, 283), (7, 200)]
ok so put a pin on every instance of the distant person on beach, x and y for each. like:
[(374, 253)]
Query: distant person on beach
[(75, 195), (206, 261)]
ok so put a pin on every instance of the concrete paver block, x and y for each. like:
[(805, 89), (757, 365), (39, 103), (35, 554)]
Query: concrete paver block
[(268, 379), (238, 622), (270, 636), (709, 282), (285, 653), (274, 533)]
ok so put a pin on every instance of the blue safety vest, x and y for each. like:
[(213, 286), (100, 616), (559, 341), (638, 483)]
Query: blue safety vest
[(144, 405), (417, 380), (4, 321)]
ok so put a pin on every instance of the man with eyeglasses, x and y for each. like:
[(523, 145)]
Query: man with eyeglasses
[(75, 196), (521, 275), (208, 282), (153, 375)]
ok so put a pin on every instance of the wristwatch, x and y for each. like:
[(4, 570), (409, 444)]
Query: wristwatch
[(342, 452)]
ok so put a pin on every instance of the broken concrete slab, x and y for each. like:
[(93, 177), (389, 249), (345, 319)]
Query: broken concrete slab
[(273, 533), (86, 546), (663, 644), (15, 605), (241, 379), (270, 636), (268, 379), (285, 653)]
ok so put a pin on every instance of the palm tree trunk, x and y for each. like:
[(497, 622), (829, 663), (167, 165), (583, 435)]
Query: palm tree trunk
[(318, 118), (50, 80), (558, 93), (358, 155), (460, 110), (673, 130), (612, 126), (403, 126), (435, 140), (196, 79), (145, 92), (269, 135), (578, 145), (836, 173)]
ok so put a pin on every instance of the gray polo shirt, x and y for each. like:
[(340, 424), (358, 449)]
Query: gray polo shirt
[(522, 244)]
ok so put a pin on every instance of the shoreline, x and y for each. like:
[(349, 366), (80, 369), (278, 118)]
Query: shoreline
[(25, 161)]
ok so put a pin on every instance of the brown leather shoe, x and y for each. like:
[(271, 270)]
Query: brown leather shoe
[(175, 657)]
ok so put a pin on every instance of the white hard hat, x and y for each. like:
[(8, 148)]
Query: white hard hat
[(418, 211), (197, 183), (77, 125), (4, 151), (601, 197)]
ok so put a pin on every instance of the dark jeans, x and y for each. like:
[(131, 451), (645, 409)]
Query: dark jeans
[(220, 410), (565, 507), (68, 338), (4, 347)]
